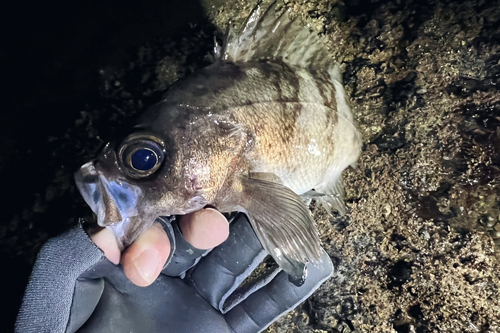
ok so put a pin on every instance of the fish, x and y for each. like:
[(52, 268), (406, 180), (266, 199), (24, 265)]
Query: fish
[(263, 130)]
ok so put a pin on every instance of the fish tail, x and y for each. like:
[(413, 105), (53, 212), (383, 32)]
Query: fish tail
[(273, 34)]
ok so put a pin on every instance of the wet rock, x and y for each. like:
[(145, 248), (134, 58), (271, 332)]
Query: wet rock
[(399, 274)]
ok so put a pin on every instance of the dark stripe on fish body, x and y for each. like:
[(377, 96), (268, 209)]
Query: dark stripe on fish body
[(332, 115), (327, 91), (283, 75), (333, 104), (291, 112), (280, 76), (293, 80)]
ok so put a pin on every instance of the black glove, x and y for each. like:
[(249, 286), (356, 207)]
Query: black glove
[(74, 288)]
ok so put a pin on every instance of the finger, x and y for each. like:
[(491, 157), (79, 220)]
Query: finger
[(237, 258), (204, 229), (143, 261), (270, 301), (105, 239)]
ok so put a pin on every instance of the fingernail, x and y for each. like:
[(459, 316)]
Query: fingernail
[(147, 264)]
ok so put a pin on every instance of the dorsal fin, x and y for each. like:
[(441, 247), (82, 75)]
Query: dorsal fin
[(271, 35)]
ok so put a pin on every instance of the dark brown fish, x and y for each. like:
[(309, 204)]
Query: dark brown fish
[(263, 129)]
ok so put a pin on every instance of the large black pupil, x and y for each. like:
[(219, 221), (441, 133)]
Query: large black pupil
[(144, 159)]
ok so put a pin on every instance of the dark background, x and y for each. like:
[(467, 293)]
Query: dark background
[(50, 56)]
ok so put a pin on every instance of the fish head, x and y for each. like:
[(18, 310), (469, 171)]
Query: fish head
[(132, 183)]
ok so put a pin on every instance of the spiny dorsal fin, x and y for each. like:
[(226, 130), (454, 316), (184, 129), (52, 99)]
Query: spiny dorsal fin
[(270, 35)]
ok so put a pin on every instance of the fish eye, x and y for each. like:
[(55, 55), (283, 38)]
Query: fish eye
[(140, 155), (143, 159)]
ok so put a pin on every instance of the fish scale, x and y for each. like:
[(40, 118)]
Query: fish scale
[(287, 153), (267, 122)]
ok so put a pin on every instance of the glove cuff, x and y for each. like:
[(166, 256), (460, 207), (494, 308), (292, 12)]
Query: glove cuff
[(52, 282)]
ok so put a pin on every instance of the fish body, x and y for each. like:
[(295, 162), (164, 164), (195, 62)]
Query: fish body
[(258, 131)]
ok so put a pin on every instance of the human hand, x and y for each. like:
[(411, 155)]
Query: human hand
[(74, 288), (144, 260)]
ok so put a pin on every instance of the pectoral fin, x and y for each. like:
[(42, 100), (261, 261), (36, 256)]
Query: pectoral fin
[(283, 224)]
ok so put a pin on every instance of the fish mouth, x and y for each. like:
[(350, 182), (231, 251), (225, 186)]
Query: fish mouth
[(115, 203)]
